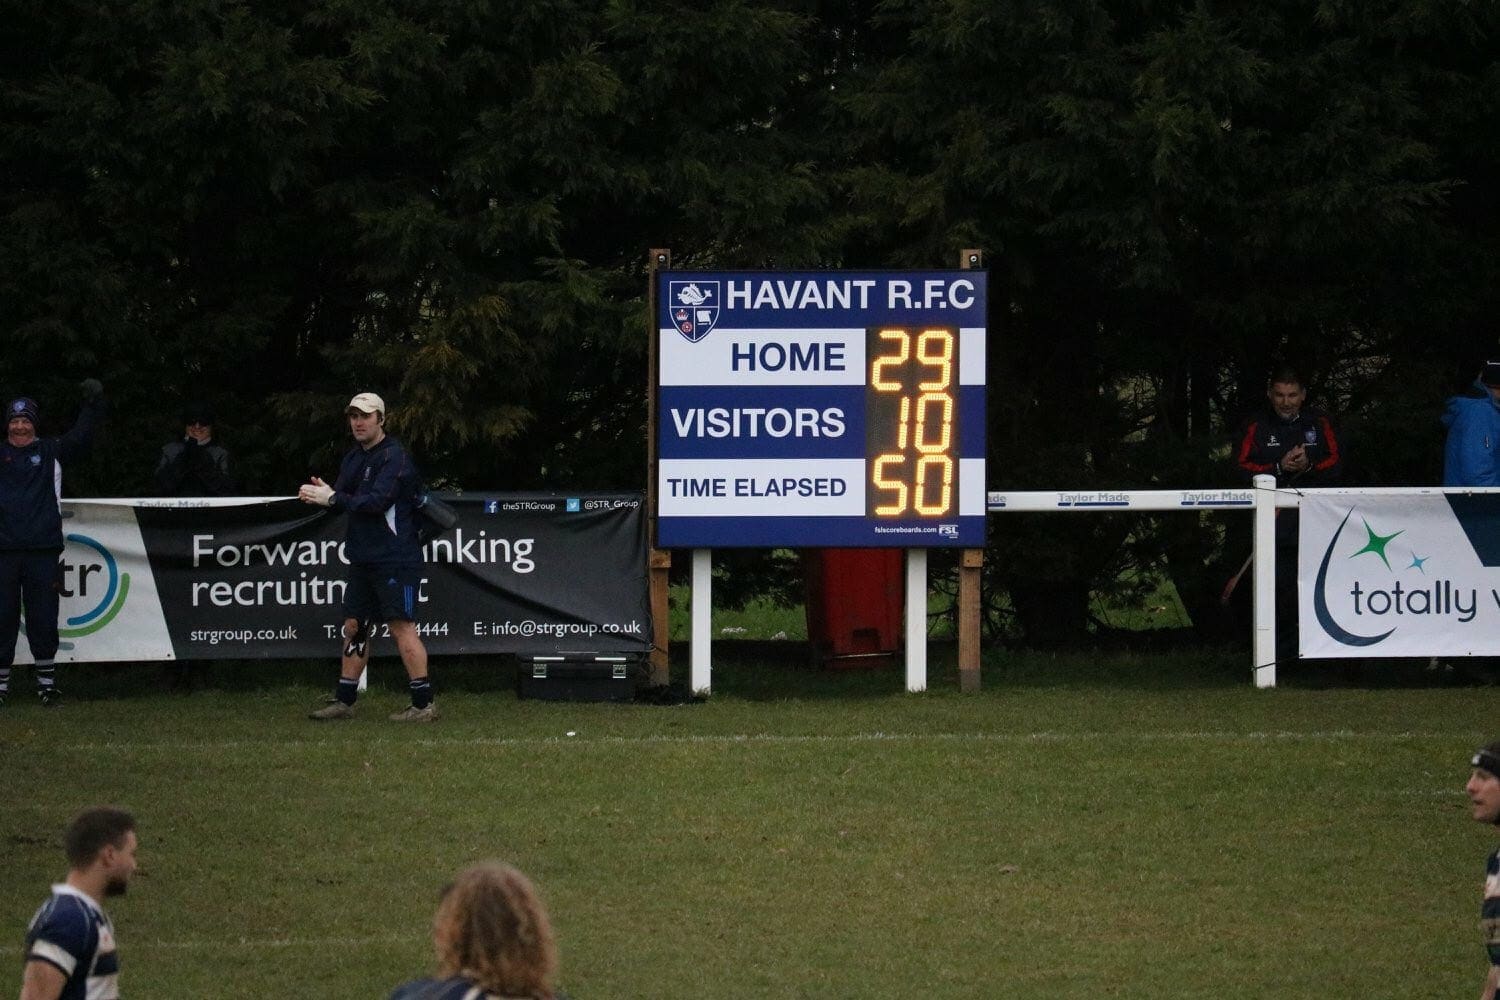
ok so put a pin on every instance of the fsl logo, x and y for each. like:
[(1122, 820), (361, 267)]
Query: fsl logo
[(96, 573), (1418, 596)]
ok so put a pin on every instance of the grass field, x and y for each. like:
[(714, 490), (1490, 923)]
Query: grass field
[(1091, 826)]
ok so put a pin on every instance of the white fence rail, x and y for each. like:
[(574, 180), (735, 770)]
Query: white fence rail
[(1263, 499)]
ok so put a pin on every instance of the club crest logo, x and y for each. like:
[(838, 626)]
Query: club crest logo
[(694, 306)]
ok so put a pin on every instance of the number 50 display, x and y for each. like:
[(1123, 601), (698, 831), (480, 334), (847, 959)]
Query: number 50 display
[(911, 470)]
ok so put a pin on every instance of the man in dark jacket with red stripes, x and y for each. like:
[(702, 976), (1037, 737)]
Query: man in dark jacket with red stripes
[(1298, 445), (1290, 440)]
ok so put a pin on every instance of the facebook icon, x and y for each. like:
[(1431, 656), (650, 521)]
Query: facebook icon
[(492, 506)]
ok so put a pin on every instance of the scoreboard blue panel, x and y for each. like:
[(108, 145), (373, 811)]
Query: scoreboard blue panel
[(821, 408)]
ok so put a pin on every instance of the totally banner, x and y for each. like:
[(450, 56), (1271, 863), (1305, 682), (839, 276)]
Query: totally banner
[(264, 578), (1415, 575)]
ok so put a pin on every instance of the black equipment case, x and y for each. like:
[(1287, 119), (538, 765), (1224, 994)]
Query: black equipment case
[(576, 677)]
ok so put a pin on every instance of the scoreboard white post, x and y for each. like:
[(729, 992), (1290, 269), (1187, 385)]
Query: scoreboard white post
[(700, 662), (916, 619)]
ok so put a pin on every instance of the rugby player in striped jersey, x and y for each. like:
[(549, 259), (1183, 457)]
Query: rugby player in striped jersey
[(70, 945)]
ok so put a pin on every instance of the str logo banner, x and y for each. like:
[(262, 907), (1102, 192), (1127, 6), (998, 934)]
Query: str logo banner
[(1411, 575)]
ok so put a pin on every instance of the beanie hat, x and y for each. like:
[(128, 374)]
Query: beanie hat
[(1487, 758), (23, 407), (198, 412)]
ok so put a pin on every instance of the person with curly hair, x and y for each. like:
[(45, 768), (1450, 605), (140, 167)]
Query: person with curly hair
[(493, 941)]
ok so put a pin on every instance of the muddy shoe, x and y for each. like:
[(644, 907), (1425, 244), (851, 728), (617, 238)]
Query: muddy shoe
[(412, 713), (334, 710)]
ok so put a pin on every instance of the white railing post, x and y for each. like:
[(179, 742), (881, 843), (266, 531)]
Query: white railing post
[(916, 619), (1264, 583), (700, 666)]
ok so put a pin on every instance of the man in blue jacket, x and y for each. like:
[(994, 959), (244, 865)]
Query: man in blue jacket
[(1473, 422), (31, 535), (377, 487)]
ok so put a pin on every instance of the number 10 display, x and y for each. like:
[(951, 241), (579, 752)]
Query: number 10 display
[(911, 468)]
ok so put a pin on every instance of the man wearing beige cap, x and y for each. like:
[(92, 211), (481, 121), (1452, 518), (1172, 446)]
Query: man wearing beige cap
[(377, 487)]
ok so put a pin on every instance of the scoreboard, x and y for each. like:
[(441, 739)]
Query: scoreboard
[(820, 408)]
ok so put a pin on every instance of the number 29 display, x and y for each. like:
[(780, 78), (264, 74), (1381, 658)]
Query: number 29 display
[(821, 408)]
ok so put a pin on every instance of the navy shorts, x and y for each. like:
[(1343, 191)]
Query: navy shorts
[(382, 593)]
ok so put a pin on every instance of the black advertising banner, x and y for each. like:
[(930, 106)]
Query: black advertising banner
[(520, 573)]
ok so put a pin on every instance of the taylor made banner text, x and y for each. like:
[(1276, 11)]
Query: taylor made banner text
[(256, 578), (1414, 575)]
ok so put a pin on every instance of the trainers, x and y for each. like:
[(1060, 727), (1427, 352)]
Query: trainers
[(412, 713), (335, 710), (51, 697)]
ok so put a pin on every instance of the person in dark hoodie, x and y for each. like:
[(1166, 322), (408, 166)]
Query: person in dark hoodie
[(1473, 422), (196, 465), (31, 535)]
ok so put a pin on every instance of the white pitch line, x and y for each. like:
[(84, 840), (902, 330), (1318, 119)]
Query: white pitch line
[(737, 739), (258, 944)]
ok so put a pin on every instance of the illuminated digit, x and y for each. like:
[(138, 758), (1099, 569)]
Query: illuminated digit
[(942, 359), (945, 493), (877, 381), (901, 428), (945, 436), (895, 485), (935, 350)]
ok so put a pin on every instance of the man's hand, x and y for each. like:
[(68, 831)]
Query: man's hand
[(92, 389), (1295, 460), (317, 492)]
